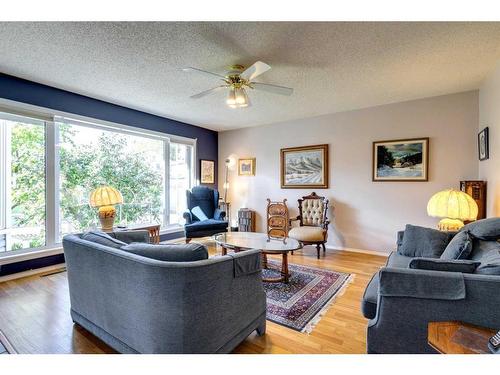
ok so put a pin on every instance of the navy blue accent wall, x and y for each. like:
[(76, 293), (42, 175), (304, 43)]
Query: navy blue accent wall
[(29, 92)]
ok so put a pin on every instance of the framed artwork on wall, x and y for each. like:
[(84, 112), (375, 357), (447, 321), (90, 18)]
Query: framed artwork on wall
[(246, 167), (401, 160), (304, 167), (483, 145), (207, 171)]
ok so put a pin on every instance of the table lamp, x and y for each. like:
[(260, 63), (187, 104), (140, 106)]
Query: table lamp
[(454, 207), (105, 197)]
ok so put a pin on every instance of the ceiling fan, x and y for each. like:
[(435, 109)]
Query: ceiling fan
[(237, 81)]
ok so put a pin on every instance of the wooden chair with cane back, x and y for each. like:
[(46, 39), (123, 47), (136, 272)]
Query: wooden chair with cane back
[(313, 222)]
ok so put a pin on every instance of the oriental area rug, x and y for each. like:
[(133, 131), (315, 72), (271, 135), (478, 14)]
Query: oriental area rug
[(300, 304)]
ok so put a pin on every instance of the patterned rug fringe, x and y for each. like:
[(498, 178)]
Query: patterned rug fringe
[(314, 321)]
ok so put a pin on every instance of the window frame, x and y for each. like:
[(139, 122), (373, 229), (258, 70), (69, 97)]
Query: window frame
[(51, 118)]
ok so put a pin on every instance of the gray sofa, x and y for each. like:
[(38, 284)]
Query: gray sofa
[(401, 301), (141, 305)]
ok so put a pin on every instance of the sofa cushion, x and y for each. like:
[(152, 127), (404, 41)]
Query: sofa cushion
[(459, 247), (369, 301), (432, 264), (209, 224), (485, 229), (308, 234), (423, 242), (490, 264), (102, 239), (198, 212), (480, 248), (398, 261), (169, 253)]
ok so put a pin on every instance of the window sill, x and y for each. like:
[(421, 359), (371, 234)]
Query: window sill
[(171, 230), (22, 255), (27, 254)]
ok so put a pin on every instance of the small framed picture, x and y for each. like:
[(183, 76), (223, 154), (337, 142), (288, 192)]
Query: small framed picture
[(483, 144), (207, 171), (246, 167), (401, 160)]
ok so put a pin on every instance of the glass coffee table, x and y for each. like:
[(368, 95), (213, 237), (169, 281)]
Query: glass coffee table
[(240, 241)]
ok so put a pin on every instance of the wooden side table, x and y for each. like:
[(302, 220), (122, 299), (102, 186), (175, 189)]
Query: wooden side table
[(459, 338), (153, 229)]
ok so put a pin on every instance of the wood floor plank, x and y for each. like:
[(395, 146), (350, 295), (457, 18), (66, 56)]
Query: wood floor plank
[(34, 313)]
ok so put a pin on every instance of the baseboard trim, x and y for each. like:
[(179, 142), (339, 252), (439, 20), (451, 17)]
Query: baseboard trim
[(20, 275), (362, 251)]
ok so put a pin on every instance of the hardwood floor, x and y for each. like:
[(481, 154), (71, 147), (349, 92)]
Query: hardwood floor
[(34, 313)]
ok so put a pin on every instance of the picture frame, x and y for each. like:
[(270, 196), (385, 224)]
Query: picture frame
[(246, 167), (304, 167), (207, 171), (401, 160), (483, 144)]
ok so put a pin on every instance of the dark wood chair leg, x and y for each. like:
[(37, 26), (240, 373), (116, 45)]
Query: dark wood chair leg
[(318, 249), (188, 240), (324, 248)]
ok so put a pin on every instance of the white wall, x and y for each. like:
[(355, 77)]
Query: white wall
[(489, 115), (367, 214)]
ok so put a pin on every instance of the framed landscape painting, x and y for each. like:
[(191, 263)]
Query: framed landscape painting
[(401, 160), (246, 167), (304, 167), (207, 171)]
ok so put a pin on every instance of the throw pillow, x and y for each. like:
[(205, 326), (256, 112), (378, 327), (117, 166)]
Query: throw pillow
[(169, 253), (198, 212), (423, 242), (485, 229), (431, 264), (459, 247), (102, 239), (490, 264)]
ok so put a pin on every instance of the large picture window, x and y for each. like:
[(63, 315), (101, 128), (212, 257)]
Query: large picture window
[(49, 169)]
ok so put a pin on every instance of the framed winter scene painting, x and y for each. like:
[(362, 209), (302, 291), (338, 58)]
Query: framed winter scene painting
[(401, 160), (304, 167)]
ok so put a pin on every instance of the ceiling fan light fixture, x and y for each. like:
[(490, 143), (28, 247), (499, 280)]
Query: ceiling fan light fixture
[(231, 98), (241, 97)]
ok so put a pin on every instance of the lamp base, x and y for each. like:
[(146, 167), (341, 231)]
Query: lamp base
[(450, 225), (107, 218)]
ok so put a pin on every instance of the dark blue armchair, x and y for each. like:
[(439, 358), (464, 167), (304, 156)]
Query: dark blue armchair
[(207, 200)]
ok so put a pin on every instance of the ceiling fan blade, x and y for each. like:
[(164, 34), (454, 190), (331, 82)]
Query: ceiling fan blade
[(204, 72), (255, 70), (206, 92), (275, 89)]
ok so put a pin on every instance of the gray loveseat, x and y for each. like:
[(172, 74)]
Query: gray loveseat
[(400, 301), (137, 304)]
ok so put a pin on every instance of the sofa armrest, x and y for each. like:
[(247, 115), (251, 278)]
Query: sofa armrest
[(401, 322), (219, 214), (132, 236), (436, 264), (414, 283), (187, 216)]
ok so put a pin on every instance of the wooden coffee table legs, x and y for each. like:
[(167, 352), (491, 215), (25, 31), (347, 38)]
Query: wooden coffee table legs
[(285, 274)]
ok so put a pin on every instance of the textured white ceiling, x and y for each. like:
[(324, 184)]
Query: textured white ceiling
[(332, 66)]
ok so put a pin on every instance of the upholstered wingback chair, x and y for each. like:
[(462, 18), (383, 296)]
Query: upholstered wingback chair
[(313, 222), (212, 220)]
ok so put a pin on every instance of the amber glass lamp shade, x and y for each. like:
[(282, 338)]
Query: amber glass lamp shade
[(453, 206), (105, 197)]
